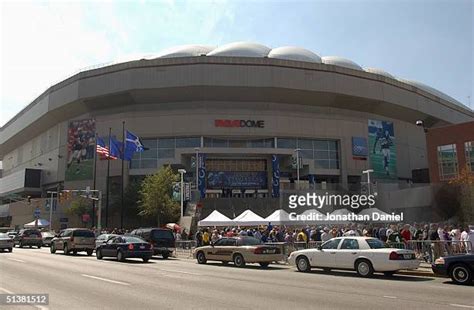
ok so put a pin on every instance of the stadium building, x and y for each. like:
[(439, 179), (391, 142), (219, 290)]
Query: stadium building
[(257, 119)]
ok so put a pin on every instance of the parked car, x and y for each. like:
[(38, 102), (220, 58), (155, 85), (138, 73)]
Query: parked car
[(363, 254), (6, 242), (240, 250), (47, 236), (162, 240), (12, 234), (460, 268), (74, 240), (123, 247), (29, 237), (101, 239)]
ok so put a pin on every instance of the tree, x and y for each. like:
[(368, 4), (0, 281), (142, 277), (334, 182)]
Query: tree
[(80, 206), (156, 196), (464, 182)]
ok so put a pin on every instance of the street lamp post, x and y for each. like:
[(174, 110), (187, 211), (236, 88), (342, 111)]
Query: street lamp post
[(51, 208), (196, 162), (182, 172), (368, 172), (298, 166)]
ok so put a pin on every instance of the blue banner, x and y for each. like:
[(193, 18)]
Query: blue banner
[(237, 179), (202, 174), (359, 146), (275, 176)]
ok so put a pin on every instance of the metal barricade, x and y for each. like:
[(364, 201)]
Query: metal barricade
[(184, 248)]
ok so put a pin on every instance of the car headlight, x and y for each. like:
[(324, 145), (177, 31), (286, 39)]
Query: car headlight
[(439, 261)]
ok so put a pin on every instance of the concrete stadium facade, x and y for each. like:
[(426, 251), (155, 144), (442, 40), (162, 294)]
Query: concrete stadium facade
[(190, 92)]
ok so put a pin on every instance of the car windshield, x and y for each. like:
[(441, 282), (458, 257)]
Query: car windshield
[(47, 234), (133, 240), (2, 235), (375, 244), (84, 233), (162, 234), (250, 241)]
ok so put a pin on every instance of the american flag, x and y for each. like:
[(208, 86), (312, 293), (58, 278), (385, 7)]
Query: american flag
[(102, 149)]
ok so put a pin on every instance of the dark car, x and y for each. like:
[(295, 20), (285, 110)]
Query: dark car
[(29, 237), (74, 240), (6, 243), (101, 239), (459, 267), (123, 247), (162, 240)]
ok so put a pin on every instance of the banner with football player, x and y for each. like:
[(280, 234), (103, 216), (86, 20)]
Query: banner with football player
[(382, 151)]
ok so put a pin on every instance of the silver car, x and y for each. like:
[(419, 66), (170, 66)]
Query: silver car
[(6, 242)]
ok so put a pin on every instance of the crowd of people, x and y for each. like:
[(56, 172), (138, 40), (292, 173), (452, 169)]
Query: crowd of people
[(430, 240)]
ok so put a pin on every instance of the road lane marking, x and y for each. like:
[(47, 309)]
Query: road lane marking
[(179, 271), (104, 279), (391, 297), (16, 260), (462, 306), (11, 293)]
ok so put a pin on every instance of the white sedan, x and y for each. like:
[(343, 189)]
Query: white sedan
[(362, 254)]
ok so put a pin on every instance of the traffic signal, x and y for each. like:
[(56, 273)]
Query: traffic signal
[(60, 198)]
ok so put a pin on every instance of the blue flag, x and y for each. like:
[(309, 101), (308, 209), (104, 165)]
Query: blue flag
[(116, 148), (132, 145)]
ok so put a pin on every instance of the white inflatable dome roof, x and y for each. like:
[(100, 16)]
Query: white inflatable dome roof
[(241, 49), (294, 53), (341, 62)]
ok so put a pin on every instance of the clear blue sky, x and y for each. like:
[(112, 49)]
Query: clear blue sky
[(430, 41)]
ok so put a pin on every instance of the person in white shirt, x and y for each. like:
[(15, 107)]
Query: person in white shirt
[(325, 236), (467, 236)]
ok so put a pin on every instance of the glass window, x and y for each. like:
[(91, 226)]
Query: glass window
[(306, 154), (331, 244), (149, 154), (188, 142), (321, 154), (286, 143), (148, 163), (350, 244), (165, 153), (322, 164), (469, 148), (149, 143), (447, 161), (332, 145), (166, 143), (320, 144), (375, 243), (305, 144), (333, 164), (249, 241)]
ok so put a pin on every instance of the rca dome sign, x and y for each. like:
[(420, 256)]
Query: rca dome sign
[(229, 123)]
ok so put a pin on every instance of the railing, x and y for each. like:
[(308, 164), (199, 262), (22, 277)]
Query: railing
[(425, 250)]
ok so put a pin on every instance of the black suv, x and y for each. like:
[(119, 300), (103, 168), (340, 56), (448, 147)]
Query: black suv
[(161, 238), (29, 237)]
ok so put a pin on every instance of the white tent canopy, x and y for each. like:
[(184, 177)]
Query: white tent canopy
[(250, 218), (279, 217), (41, 223), (216, 219)]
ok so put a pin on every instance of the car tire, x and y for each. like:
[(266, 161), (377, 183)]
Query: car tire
[(66, 249), (239, 261), (89, 252), (302, 264), (225, 263), (460, 274), (30, 246), (39, 246), (264, 265), (146, 259), (74, 252), (10, 250), (20, 245), (98, 254), (364, 268), (52, 249), (165, 255), (389, 273), (120, 256), (201, 257)]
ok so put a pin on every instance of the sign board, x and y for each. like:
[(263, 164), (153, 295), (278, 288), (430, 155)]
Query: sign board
[(37, 213), (187, 191)]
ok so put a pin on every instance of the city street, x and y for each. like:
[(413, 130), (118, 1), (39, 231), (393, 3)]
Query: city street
[(82, 282)]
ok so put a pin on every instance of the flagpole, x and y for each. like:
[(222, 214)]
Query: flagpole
[(107, 184), (123, 160), (94, 182)]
